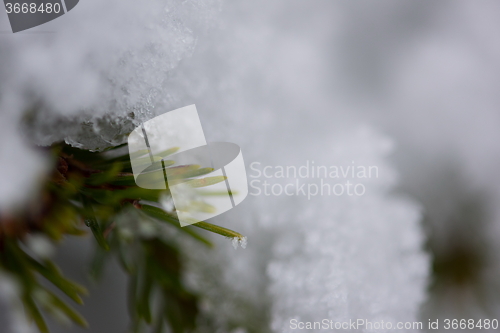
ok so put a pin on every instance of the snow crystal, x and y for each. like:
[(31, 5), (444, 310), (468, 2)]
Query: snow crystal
[(242, 241), (235, 242)]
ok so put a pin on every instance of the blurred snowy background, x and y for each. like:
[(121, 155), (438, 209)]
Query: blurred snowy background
[(407, 85)]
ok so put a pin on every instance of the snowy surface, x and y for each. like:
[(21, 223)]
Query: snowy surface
[(340, 259), (91, 75), (335, 258)]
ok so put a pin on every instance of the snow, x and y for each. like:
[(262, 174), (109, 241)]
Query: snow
[(92, 74), (11, 308), (289, 82), (337, 258)]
